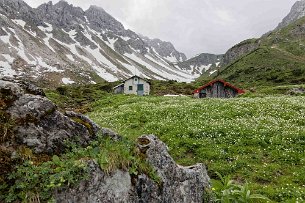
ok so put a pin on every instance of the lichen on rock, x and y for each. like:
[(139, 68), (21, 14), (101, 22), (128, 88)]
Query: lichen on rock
[(38, 124)]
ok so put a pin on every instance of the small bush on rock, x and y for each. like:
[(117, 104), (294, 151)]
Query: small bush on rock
[(34, 180)]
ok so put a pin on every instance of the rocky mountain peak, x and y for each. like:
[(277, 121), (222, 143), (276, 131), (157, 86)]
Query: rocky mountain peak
[(61, 14), (18, 9), (204, 63), (100, 19), (165, 49), (297, 11), (96, 8), (62, 3)]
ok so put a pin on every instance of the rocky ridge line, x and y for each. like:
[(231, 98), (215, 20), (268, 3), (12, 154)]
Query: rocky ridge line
[(62, 44)]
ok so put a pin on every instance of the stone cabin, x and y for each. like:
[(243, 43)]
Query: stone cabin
[(134, 85), (217, 89)]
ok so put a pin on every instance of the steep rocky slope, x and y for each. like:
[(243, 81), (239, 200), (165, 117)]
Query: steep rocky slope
[(201, 64), (297, 11), (60, 43), (240, 50)]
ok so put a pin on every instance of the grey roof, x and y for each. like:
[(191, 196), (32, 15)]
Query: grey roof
[(118, 86), (137, 77)]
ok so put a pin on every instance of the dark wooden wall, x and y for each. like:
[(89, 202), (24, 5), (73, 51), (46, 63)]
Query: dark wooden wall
[(218, 90)]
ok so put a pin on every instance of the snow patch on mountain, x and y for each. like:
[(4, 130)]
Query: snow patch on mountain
[(61, 43), (67, 81), (20, 22)]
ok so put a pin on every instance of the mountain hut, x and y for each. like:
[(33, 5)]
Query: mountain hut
[(134, 85), (217, 89)]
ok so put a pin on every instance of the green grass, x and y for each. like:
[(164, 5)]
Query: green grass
[(266, 66), (258, 140), (161, 88), (78, 98), (265, 91), (34, 180)]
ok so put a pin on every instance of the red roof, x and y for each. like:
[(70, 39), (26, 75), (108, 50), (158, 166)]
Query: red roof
[(226, 84)]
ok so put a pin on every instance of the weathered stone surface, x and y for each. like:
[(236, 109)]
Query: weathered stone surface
[(14, 88), (240, 50), (9, 91), (94, 127), (100, 187), (297, 11), (178, 184), (202, 63), (38, 124), (111, 134)]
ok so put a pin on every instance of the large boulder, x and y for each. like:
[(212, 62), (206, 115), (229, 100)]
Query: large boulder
[(178, 184), (38, 124)]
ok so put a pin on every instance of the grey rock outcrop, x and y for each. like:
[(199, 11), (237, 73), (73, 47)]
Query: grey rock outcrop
[(101, 187), (240, 50), (201, 63), (38, 124), (165, 49), (297, 11), (106, 132), (101, 20), (178, 184), (18, 9), (62, 14)]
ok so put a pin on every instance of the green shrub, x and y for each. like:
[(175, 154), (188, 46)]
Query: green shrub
[(38, 180)]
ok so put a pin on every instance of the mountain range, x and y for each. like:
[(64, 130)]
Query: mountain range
[(56, 44), (63, 44)]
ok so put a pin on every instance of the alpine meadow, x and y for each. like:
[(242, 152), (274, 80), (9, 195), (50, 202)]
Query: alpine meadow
[(92, 111)]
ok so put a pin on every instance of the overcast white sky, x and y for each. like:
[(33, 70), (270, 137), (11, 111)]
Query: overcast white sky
[(194, 26)]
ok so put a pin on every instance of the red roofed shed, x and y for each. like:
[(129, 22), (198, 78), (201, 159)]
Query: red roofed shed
[(217, 89)]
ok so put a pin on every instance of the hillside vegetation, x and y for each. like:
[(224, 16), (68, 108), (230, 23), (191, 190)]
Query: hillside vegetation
[(80, 97), (278, 60), (258, 140)]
